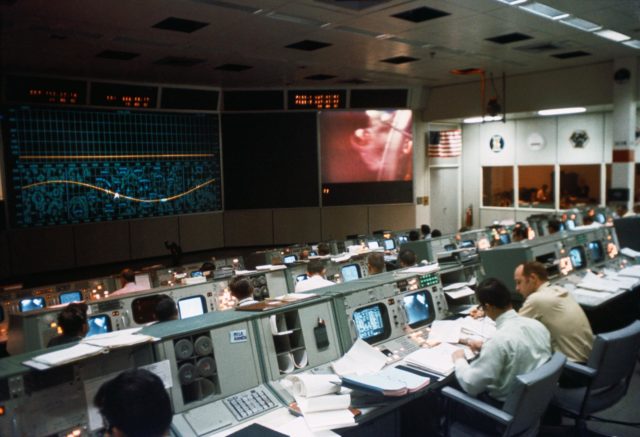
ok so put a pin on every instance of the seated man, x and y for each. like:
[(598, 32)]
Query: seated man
[(165, 309), (242, 290), (127, 283), (519, 345), (406, 258), (134, 404), (556, 309), (73, 322), (324, 249), (375, 263), (315, 277)]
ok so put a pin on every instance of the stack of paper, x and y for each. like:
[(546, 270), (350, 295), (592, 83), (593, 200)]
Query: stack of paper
[(593, 282), (391, 381), (436, 359), (361, 359)]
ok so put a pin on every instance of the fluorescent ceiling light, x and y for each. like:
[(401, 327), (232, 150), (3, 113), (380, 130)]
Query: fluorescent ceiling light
[(581, 24), (633, 43), (613, 35), (544, 11), (473, 120), (494, 118), (512, 2), (562, 111)]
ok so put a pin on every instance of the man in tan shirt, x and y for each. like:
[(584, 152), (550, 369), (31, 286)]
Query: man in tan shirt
[(556, 309)]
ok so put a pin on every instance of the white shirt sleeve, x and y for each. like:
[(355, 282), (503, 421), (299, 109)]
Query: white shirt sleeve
[(475, 378)]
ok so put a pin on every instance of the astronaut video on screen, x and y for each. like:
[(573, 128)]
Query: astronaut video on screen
[(366, 146)]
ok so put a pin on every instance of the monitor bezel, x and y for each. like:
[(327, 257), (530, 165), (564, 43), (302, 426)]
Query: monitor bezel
[(347, 266), (386, 323), (202, 300), (431, 307)]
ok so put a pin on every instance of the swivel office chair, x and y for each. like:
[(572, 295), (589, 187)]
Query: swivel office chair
[(523, 408), (607, 375)]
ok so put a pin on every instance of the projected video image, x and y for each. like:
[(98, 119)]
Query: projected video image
[(366, 146)]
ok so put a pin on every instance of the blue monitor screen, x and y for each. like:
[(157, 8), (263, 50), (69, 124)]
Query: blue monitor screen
[(351, 272), (505, 239), (373, 245), (32, 304), (418, 308), (577, 257), (449, 247), (597, 254), (289, 259), (402, 239), (570, 224), (99, 325), (600, 218), (466, 244), (302, 277), (389, 244), (196, 274), (71, 296), (313, 253), (372, 323)]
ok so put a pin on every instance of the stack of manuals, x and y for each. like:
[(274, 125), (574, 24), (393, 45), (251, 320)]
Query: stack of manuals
[(362, 369), (319, 400), (90, 346), (436, 359)]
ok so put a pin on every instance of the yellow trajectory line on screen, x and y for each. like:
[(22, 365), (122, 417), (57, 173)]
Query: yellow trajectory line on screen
[(131, 156), (117, 195)]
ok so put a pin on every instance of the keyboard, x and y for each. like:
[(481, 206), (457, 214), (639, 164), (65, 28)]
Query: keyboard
[(250, 403)]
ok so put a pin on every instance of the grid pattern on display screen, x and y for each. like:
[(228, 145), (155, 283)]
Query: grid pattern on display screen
[(73, 165)]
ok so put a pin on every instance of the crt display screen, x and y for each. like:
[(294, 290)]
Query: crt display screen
[(372, 323), (467, 244), (373, 245), (302, 277), (99, 325), (389, 244), (577, 257), (32, 304), (70, 296), (505, 239), (600, 218), (351, 272), (191, 306), (418, 308), (597, 254), (449, 247), (289, 259)]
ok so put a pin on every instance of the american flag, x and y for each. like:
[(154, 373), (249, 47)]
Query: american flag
[(445, 143)]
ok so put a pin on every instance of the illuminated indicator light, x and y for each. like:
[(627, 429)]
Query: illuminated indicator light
[(76, 432), (2, 410), (53, 325)]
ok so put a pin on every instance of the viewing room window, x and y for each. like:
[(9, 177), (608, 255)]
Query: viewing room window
[(497, 186), (579, 185), (535, 186), (636, 193)]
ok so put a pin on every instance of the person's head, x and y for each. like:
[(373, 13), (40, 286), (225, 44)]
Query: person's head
[(240, 288), (414, 235), (621, 210), (304, 254), (587, 220), (126, 276), (375, 263), (425, 229), (165, 309), (73, 320), (554, 226), (324, 249), (316, 267), (207, 267), (134, 404), (406, 258), (529, 277), (519, 232), (436, 233), (494, 297)]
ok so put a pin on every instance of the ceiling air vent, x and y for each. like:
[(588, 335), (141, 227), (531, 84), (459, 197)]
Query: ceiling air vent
[(540, 47), (354, 5)]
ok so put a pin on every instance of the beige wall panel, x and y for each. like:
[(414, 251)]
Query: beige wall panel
[(248, 228), (340, 221), (41, 250), (296, 225), (392, 217), (148, 236), (201, 231), (101, 243)]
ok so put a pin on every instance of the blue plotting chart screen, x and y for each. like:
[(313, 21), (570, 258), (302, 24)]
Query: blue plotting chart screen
[(70, 166)]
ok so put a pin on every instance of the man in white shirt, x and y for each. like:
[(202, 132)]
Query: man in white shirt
[(242, 290), (127, 283), (315, 277)]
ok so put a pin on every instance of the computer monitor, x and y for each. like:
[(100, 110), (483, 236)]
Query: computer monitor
[(483, 243), (143, 280), (418, 308), (570, 224), (70, 296), (100, 324), (600, 218), (313, 253), (389, 244), (350, 272), (373, 245), (402, 239), (577, 257), (467, 244), (302, 277), (372, 323), (196, 274), (565, 265), (289, 259), (449, 247), (191, 306), (144, 308), (596, 251), (32, 304), (505, 238)]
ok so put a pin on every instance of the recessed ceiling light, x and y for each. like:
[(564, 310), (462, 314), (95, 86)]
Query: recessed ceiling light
[(473, 120), (544, 11), (581, 24), (562, 111), (634, 43), (512, 2), (612, 35)]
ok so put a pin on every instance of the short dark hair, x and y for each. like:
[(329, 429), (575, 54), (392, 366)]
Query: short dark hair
[(436, 233), (376, 260), (136, 403), (315, 266), (535, 268), (240, 288), (492, 291), (207, 267), (73, 318), (425, 229), (406, 258), (520, 232), (323, 249), (165, 309), (128, 275), (414, 235), (554, 226)]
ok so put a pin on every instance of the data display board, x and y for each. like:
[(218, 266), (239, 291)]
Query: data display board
[(67, 165)]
